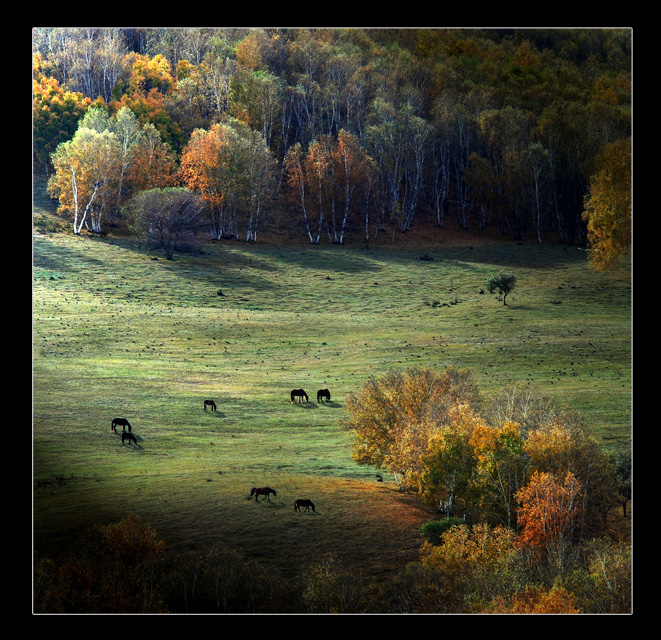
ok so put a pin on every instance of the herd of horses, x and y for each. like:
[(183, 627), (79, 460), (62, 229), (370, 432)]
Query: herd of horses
[(322, 394), (295, 395)]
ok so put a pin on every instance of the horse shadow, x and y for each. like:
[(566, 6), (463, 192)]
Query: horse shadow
[(274, 503), (306, 405), (129, 439)]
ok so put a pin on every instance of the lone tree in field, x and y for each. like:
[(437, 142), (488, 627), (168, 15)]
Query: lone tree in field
[(503, 283)]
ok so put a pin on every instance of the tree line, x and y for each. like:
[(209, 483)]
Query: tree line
[(336, 131)]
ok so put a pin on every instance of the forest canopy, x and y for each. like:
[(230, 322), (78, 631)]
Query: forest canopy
[(342, 131)]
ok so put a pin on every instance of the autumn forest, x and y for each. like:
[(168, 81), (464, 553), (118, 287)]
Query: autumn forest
[(431, 226), (337, 131)]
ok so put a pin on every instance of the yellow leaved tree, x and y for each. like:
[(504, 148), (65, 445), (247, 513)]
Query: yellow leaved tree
[(608, 205)]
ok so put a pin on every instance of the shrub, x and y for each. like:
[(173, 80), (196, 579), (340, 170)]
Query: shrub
[(433, 530)]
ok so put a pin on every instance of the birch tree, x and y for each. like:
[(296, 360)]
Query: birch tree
[(86, 176), (387, 147), (399, 141), (152, 162), (537, 164), (232, 169), (111, 60), (259, 177), (319, 168), (203, 170), (297, 181), (128, 132), (440, 168), (126, 128), (353, 169)]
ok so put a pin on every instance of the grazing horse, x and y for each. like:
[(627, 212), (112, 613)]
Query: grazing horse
[(209, 403), (128, 436), (300, 394), (123, 422), (303, 503), (323, 393), (262, 491)]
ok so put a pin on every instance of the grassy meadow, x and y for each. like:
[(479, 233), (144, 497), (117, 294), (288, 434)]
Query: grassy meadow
[(120, 331)]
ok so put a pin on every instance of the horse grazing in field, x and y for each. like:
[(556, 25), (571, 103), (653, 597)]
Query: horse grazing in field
[(299, 393), (262, 491), (323, 393), (209, 403), (303, 503), (128, 436), (120, 422)]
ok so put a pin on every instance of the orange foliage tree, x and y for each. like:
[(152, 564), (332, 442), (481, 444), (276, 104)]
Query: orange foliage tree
[(560, 447), (150, 73), (328, 179), (151, 108), (231, 168), (55, 113), (353, 168), (297, 179), (152, 162), (550, 520), (150, 83), (203, 169)]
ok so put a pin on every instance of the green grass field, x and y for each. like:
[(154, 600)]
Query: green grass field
[(120, 331)]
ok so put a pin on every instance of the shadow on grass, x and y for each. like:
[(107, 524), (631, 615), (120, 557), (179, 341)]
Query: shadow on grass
[(272, 504), (305, 405), (216, 414)]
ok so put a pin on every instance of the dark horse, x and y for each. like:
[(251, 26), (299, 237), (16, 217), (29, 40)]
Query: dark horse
[(209, 403), (123, 422), (300, 394), (303, 503), (262, 491), (323, 393), (128, 436)]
